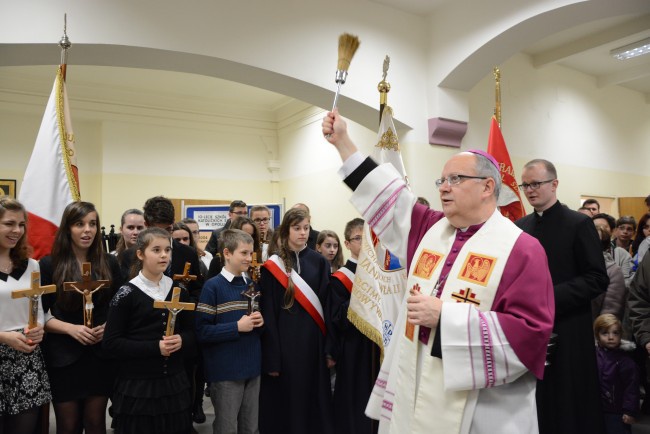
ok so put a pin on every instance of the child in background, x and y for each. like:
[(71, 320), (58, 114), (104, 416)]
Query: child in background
[(152, 392), (230, 339), (618, 375), (328, 245)]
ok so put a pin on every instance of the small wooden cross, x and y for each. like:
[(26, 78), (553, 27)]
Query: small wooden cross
[(87, 287), (174, 307), (254, 269), (34, 294), (186, 277)]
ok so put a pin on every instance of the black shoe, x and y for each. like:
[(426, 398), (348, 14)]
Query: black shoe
[(198, 416)]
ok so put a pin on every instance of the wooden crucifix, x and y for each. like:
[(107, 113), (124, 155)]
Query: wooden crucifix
[(254, 269), (87, 287), (174, 307), (186, 277), (34, 295), (251, 293)]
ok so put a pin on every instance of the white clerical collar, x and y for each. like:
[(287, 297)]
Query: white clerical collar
[(156, 290), (229, 276), (353, 260)]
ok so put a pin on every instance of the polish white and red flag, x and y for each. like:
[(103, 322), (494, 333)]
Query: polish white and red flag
[(51, 180), (509, 201)]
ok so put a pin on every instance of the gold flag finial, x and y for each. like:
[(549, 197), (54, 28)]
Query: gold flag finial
[(383, 87), (497, 94)]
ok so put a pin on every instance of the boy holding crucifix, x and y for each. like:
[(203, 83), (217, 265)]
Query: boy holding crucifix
[(229, 332)]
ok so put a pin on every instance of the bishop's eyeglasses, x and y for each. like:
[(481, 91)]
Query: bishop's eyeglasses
[(455, 179), (533, 185)]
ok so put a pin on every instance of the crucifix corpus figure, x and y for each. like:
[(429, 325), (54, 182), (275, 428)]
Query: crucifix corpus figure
[(251, 294), (34, 295), (174, 307), (87, 287)]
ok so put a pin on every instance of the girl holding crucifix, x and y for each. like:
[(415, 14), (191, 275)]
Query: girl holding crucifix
[(80, 373), (24, 384), (152, 393)]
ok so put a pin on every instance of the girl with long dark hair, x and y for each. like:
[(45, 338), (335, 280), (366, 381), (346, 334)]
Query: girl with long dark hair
[(81, 374), (294, 366)]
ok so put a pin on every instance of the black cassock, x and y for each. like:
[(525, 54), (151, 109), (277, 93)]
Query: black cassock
[(357, 364), (568, 398), (299, 401)]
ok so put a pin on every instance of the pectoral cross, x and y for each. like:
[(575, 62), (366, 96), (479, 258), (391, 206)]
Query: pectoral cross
[(87, 287), (34, 294), (174, 307), (186, 277)]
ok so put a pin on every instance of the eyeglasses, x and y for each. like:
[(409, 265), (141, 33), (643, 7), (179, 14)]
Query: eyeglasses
[(455, 179), (264, 220), (240, 213), (533, 185), (357, 238)]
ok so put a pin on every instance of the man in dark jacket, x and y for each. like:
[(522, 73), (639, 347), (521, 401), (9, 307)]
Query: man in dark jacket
[(237, 208)]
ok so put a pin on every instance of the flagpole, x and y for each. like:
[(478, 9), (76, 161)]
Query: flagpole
[(383, 87), (64, 43), (497, 94)]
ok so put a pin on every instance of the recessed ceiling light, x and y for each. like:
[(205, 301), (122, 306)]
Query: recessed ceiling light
[(634, 49)]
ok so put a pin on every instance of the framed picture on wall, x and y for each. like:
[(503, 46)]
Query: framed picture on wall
[(8, 187)]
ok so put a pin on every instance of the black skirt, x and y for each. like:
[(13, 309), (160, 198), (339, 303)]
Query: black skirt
[(88, 376), (153, 405)]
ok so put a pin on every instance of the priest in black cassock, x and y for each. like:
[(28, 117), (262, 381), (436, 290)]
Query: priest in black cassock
[(568, 398), (356, 356)]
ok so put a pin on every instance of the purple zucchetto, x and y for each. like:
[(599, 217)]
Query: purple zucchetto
[(486, 155)]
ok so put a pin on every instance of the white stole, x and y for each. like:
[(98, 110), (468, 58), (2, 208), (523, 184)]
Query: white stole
[(474, 277)]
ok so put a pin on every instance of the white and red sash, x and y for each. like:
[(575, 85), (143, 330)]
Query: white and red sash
[(346, 277), (304, 294)]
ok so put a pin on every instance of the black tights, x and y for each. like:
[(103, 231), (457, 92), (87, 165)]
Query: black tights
[(21, 423), (73, 417)]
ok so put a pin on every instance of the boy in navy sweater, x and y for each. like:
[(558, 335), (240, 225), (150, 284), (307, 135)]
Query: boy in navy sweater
[(230, 340)]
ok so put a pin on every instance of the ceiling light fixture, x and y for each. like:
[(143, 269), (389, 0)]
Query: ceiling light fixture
[(634, 49)]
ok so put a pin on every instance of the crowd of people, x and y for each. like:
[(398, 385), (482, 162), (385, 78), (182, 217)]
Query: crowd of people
[(538, 326)]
